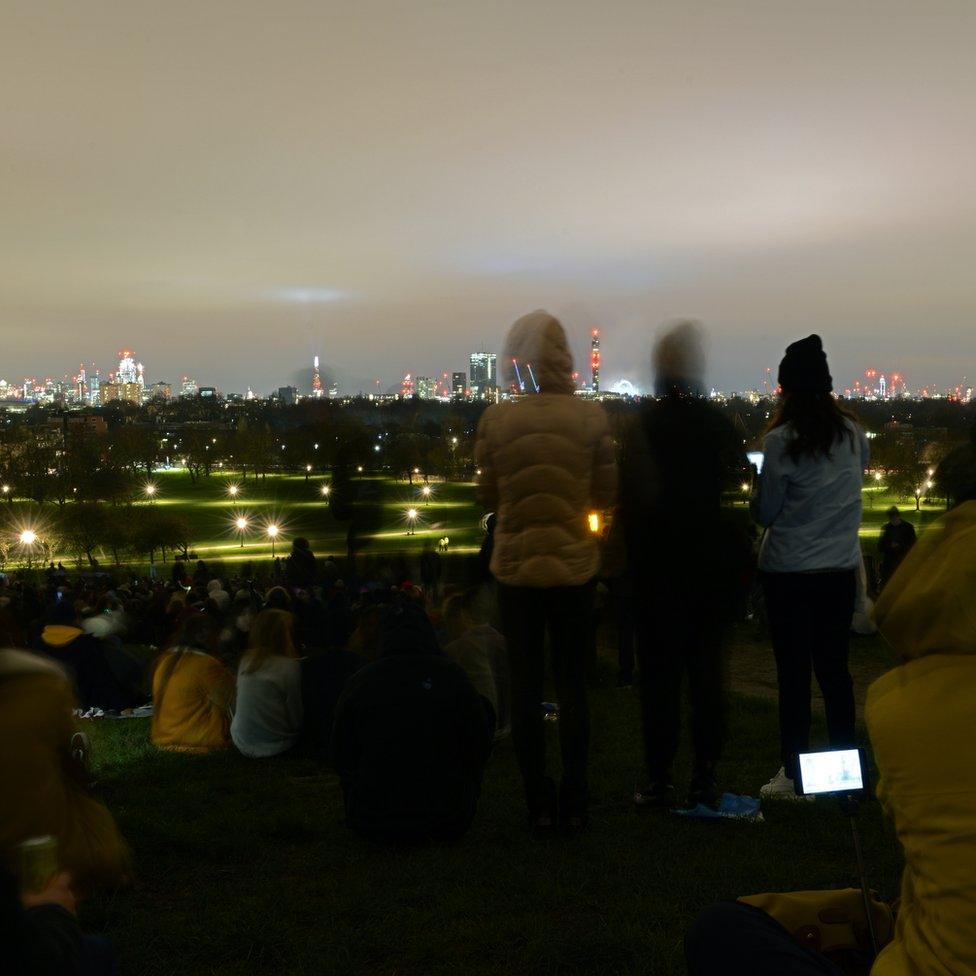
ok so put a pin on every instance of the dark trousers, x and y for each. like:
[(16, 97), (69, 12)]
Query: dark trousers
[(622, 591), (810, 623), (526, 614), (734, 938), (675, 638)]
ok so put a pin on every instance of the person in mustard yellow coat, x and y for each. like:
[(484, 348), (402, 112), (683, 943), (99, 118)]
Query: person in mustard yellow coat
[(44, 788), (922, 717), (193, 694)]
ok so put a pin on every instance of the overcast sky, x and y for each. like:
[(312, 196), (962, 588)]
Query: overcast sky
[(232, 187)]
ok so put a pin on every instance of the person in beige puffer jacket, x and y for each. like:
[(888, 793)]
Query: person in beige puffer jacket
[(546, 461)]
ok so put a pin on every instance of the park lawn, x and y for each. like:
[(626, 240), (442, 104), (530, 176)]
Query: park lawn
[(246, 867)]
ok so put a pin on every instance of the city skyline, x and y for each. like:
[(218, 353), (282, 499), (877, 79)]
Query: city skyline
[(391, 186)]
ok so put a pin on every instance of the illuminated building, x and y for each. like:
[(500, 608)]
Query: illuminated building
[(595, 359), (407, 386), (317, 390), (483, 375), (287, 396), (125, 392), (426, 388), (189, 387), (160, 391), (459, 385)]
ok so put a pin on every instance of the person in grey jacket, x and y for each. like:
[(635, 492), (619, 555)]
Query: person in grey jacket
[(808, 497)]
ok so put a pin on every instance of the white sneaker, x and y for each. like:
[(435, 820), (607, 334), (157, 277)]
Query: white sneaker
[(781, 787)]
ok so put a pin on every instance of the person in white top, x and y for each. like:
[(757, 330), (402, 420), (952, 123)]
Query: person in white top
[(808, 497), (268, 716)]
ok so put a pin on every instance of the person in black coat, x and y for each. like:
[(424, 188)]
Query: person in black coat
[(897, 537), (411, 737), (301, 568)]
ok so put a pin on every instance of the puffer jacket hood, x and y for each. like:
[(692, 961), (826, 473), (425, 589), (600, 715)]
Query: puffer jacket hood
[(927, 606), (60, 635), (537, 343)]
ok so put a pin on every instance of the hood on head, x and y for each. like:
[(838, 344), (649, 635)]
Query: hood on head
[(927, 607), (537, 343)]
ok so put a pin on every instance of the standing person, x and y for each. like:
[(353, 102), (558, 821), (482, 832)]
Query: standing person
[(430, 569), (268, 715), (685, 556), (897, 537), (546, 460), (809, 499), (301, 567)]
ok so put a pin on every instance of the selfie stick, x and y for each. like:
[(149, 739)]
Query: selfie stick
[(850, 808)]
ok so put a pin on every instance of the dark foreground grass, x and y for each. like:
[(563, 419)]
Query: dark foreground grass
[(245, 867)]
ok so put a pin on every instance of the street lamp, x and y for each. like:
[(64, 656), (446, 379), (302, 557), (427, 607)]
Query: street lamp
[(325, 489), (272, 535), (241, 524), (233, 490), (425, 491), (150, 491), (411, 521), (28, 537)]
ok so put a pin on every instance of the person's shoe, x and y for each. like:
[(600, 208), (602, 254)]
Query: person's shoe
[(781, 787), (655, 796)]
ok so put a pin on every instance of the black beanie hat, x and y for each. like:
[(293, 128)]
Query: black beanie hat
[(804, 368)]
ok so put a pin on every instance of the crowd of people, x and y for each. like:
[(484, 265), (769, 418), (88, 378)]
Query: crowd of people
[(405, 688)]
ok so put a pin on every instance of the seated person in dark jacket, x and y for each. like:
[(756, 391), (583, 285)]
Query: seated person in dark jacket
[(84, 658), (411, 737)]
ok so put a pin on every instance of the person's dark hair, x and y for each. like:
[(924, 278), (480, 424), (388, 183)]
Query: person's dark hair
[(197, 632), (819, 422)]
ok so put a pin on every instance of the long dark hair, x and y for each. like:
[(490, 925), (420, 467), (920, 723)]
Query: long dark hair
[(818, 423)]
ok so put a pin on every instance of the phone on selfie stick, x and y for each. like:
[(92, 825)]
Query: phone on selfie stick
[(840, 773)]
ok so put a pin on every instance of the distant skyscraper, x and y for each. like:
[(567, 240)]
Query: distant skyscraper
[(426, 388), (317, 390), (287, 396), (161, 391), (407, 387), (459, 385), (595, 359), (189, 387), (481, 370)]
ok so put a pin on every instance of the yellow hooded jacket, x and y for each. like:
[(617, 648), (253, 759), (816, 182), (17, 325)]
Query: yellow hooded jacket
[(922, 720)]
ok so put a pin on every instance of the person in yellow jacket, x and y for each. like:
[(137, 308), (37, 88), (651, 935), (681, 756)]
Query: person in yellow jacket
[(44, 785), (921, 718), (193, 694)]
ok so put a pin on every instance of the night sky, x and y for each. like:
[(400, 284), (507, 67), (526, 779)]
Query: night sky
[(232, 187)]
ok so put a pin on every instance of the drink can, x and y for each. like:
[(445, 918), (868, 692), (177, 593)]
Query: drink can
[(38, 862)]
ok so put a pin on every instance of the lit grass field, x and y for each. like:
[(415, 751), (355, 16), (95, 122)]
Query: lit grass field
[(245, 866), (298, 507)]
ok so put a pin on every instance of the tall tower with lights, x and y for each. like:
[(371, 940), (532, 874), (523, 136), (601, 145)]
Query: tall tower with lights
[(317, 390), (595, 359)]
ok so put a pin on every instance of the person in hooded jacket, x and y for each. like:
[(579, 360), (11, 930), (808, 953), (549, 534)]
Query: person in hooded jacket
[(411, 737), (546, 461)]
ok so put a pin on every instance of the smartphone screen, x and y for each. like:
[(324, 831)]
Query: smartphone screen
[(756, 458), (837, 771)]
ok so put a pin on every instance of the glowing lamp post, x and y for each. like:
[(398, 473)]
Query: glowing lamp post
[(425, 491), (233, 491), (28, 539), (325, 490), (411, 521), (150, 491), (272, 535), (241, 525)]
